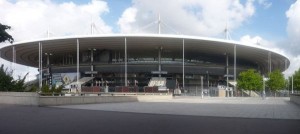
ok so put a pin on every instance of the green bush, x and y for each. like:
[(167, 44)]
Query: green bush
[(7, 82), (33, 89), (45, 89), (58, 90)]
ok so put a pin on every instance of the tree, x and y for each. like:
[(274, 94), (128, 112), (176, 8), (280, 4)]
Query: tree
[(250, 80), (5, 79), (19, 84), (47, 90), (7, 82), (276, 81), (296, 82), (4, 36)]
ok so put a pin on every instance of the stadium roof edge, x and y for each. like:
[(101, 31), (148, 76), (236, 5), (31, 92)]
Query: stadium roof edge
[(149, 35)]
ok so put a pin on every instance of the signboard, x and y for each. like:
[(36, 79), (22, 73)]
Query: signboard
[(229, 75), (159, 72), (91, 72), (59, 79)]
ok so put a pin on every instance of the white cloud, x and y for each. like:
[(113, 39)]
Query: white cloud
[(265, 3), (293, 26), (127, 18), (290, 48), (257, 40), (273, 46), (192, 17), (31, 19), (247, 39), (294, 66), (293, 31)]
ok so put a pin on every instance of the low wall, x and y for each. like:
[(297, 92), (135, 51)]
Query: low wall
[(34, 99), (71, 100), (19, 98), (150, 98), (295, 98)]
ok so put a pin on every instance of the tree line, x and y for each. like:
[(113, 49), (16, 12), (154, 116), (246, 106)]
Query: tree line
[(253, 81), (8, 83)]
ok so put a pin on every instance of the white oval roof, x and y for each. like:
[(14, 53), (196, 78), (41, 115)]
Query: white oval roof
[(27, 51)]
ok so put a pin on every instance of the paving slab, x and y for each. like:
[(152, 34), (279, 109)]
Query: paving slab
[(242, 107), (17, 119)]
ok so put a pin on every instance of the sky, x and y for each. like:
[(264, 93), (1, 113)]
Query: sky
[(274, 24)]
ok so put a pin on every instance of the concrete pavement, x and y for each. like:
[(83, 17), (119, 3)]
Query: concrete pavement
[(246, 107), (16, 119)]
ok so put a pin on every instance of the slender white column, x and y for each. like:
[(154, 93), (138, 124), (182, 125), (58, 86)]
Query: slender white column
[(285, 65), (47, 65), (92, 29), (292, 84), (234, 70), (159, 61), (41, 65), (207, 80), (202, 87), (183, 64), (14, 60), (116, 57), (92, 62), (270, 62), (77, 82), (125, 62), (264, 88), (159, 24), (48, 59), (227, 71), (14, 54)]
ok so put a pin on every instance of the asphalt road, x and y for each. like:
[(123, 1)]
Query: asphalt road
[(48, 120)]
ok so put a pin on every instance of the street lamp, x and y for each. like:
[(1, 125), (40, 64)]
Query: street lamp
[(208, 90), (48, 54), (292, 84), (92, 63), (48, 69), (264, 88), (201, 87)]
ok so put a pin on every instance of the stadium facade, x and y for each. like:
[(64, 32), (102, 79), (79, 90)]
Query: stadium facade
[(132, 60)]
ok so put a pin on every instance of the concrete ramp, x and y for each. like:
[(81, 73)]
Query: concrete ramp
[(251, 93), (82, 80)]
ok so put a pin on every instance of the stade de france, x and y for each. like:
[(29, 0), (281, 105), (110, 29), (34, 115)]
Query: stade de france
[(144, 63)]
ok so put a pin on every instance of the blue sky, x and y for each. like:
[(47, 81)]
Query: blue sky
[(250, 21), (267, 22)]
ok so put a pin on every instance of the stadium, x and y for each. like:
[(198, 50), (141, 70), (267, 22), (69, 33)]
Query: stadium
[(141, 62)]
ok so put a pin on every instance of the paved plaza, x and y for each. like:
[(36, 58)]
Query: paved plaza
[(246, 107), (182, 115)]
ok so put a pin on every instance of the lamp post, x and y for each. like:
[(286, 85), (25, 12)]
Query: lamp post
[(201, 87), (92, 60), (264, 88), (48, 69), (292, 84), (208, 90), (48, 54)]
